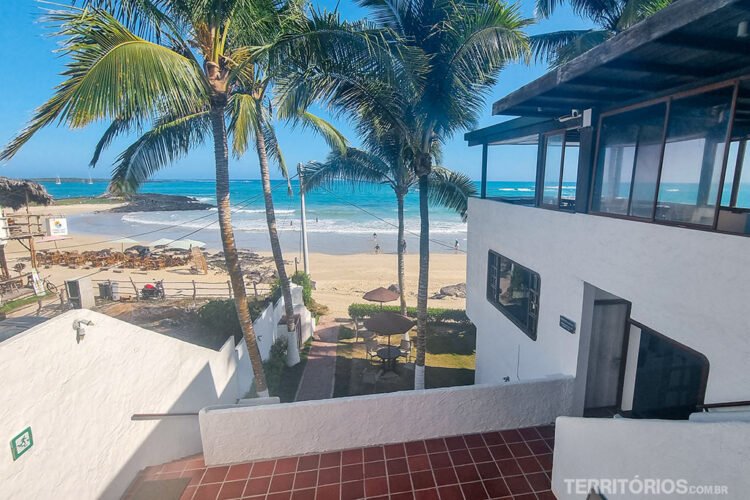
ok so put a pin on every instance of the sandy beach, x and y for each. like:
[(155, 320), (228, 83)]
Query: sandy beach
[(340, 279)]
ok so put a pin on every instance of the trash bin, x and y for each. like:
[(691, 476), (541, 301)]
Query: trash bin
[(105, 291), (114, 289)]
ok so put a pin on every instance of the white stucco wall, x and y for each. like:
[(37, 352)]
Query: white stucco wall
[(243, 434), (692, 286), (79, 398), (266, 325), (702, 454)]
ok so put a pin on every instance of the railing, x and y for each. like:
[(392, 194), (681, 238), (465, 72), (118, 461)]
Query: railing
[(188, 289), (159, 416), (730, 404), (24, 225)]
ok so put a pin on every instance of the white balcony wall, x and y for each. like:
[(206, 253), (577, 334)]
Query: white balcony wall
[(692, 286), (637, 452), (78, 399), (243, 434)]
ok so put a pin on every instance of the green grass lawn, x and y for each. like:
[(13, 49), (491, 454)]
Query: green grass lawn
[(12, 305), (86, 200), (450, 361)]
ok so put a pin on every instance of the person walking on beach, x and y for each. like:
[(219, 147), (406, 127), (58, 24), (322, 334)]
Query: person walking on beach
[(456, 246), (377, 248)]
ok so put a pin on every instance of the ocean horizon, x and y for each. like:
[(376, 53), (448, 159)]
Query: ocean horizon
[(341, 219)]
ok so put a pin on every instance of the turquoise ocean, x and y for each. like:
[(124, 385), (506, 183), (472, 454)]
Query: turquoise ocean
[(341, 219)]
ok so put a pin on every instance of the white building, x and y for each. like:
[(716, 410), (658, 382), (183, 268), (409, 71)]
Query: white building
[(628, 265)]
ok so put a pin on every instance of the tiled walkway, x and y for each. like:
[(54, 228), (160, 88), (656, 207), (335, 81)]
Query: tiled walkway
[(318, 377), (508, 464)]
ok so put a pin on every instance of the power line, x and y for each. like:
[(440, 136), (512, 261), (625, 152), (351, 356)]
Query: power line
[(237, 207)]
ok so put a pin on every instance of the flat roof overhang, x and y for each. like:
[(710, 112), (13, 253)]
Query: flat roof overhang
[(689, 43)]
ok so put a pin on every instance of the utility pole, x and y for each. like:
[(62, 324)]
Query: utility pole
[(305, 253)]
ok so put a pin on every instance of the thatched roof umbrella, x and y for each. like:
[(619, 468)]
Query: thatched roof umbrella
[(16, 193)]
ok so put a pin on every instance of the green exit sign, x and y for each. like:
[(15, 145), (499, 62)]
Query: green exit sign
[(21, 443)]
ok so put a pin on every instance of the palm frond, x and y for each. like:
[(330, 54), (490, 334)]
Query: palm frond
[(451, 190), (546, 46), (544, 8), (355, 167), (335, 139), (170, 139), (273, 150), (636, 11), (243, 121), (112, 73), (581, 44), (118, 127)]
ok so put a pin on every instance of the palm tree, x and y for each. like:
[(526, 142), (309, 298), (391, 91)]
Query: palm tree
[(357, 166), (140, 66), (183, 68), (610, 17), (448, 58)]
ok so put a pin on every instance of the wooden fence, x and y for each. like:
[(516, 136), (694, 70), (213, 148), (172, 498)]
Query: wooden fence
[(188, 289)]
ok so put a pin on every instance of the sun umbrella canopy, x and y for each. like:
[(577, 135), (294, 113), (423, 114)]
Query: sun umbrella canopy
[(381, 295), (15, 194), (389, 323)]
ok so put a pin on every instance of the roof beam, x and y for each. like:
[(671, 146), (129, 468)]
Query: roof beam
[(707, 43), (660, 68), (669, 20), (614, 83)]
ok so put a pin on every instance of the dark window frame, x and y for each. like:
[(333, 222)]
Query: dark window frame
[(542, 167), (733, 83), (705, 367), (534, 291)]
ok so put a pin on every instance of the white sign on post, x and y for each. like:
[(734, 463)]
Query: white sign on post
[(57, 226)]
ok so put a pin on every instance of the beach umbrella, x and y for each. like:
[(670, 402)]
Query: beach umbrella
[(381, 295), (389, 323)]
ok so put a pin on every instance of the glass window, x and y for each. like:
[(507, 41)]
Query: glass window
[(552, 162), (693, 158), (628, 162), (514, 290), (570, 176), (560, 163)]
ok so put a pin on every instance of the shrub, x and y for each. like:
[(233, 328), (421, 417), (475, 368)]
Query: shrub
[(346, 333), (302, 279), (221, 315), (275, 365), (434, 314)]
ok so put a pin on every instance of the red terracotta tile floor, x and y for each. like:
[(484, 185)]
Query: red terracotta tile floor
[(507, 464)]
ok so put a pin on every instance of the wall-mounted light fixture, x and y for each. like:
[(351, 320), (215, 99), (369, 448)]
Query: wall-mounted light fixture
[(79, 325)]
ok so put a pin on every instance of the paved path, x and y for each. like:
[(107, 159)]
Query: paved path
[(318, 377)]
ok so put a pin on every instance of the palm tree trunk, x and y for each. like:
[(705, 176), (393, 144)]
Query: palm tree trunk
[(401, 249), (221, 155), (278, 258), (424, 270)]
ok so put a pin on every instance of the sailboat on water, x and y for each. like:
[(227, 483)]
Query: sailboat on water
[(57, 180), (90, 181)]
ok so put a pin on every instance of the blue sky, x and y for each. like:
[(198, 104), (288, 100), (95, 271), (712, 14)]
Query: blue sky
[(32, 70)]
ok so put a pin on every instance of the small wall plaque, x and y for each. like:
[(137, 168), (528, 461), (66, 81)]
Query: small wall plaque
[(21, 443), (567, 324)]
